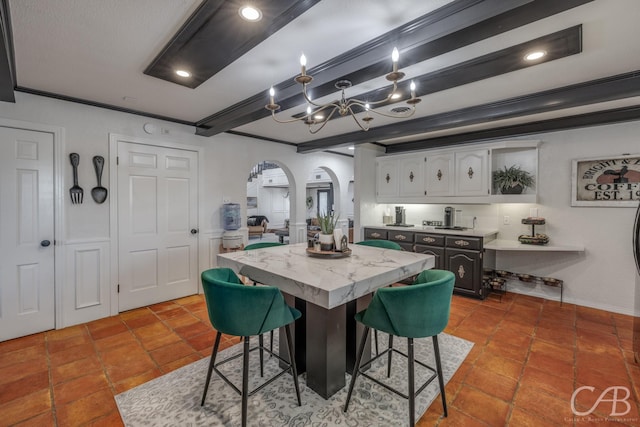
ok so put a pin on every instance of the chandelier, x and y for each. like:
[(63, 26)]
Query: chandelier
[(317, 115)]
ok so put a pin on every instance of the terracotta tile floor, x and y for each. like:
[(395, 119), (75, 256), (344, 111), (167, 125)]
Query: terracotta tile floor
[(530, 356)]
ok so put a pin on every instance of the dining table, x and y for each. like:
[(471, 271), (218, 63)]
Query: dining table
[(329, 288)]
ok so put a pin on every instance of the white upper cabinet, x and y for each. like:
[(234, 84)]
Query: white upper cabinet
[(439, 175), (387, 178), (460, 175), (472, 173), (411, 177)]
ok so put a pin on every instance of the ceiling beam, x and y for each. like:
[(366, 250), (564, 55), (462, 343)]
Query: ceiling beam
[(595, 91), (596, 118), (7, 61), (218, 23), (467, 21)]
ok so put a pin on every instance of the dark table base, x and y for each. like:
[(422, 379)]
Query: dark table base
[(325, 343)]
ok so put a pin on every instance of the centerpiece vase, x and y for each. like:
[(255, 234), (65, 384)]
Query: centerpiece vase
[(326, 241), (337, 238)]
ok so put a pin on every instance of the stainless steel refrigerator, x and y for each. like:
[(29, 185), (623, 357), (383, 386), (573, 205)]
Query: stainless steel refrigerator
[(636, 319)]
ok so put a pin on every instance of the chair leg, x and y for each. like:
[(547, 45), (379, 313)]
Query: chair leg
[(212, 361), (436, 351), (292, 359), (271, 343), (245, 380), (261, 345), (375, 339), (356, 367), (389, 356), (412, 386)]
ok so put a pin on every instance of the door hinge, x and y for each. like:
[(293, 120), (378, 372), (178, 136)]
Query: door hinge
[(118, 287), (117, 160)]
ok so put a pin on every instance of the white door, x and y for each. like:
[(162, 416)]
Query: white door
[(157, 223), (387, 178), (472, 173), (411, 176), (27, 298), (439, 175)]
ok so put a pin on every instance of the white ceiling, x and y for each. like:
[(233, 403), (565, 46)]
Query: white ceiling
[(96, 50)]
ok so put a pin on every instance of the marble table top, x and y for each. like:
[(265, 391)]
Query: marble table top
[(326, 282)]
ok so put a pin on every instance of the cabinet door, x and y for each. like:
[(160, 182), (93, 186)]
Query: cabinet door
[(467, 267), (387, 178), (411, 176), (472, 173), (439, 175), (436, 252)]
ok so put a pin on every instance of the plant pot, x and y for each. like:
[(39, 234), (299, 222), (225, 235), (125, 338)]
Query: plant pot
[(516, 189), (326, 241)]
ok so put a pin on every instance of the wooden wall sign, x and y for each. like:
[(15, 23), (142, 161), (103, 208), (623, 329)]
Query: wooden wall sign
[(611, 182)]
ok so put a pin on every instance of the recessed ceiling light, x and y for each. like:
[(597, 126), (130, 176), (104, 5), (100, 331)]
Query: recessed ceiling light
[(396, 95), (532, 56), (351, 148), (318, 117), (183, 73), (250, 13)]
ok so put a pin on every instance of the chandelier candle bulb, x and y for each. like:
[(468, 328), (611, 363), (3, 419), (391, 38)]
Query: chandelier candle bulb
[(303, 65), (272, 93), (413, 90), (394, 57)]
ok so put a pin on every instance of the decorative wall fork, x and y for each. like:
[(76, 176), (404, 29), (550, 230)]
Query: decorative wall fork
[(76, 192)]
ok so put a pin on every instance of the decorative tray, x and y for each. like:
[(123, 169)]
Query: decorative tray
[(538, 239), (328, 254)]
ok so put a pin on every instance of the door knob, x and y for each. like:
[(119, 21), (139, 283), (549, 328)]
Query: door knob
[(194, 231), (45, 243)]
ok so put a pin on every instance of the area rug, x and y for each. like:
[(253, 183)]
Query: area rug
[(174, 398)]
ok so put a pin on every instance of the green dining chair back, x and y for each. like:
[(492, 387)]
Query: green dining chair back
[(417, 311), (245, 311), (261, 245), (379, 243)]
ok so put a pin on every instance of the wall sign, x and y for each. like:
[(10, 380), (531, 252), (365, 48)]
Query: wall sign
[(606, 182)]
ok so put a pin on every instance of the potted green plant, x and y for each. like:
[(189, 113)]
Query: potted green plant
[(327, 226), (512, 180)]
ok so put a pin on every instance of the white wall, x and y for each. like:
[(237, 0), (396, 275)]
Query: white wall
[(225, 165), (602, 276)]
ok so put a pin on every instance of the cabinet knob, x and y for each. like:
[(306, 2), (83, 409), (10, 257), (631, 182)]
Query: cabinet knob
[(428, 239), (375, 235), (461, 243), (470, 172), (401, 237), (387, 178), (194, 231), (439, 175), (45, 243), (411, 176)]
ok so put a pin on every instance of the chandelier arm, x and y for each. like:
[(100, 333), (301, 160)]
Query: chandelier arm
[(310, 101), (395, 116), (381, 101), (273, 115), (324, 122), (357, 121)]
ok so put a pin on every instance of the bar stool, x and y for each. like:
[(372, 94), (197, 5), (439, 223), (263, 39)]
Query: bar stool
[(227, 301), (260, 245), (384, 244), (416, 311)]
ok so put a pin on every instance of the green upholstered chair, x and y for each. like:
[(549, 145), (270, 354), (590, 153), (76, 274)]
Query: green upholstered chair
[(385, 244), (417, 311), (261, 245), (227, 301)]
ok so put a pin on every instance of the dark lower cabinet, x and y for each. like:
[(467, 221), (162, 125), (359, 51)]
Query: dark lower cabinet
[(436, 252), (462, 255), (466, 265)]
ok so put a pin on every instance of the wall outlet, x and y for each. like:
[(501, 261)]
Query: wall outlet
[(506, 220)]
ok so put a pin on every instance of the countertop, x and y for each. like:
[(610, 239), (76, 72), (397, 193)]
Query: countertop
[(486, 233)]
